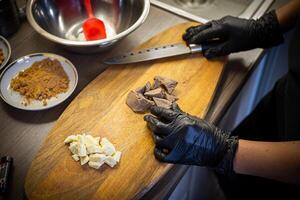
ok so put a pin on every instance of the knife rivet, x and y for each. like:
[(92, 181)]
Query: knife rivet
[(140, 52), (132, 54)]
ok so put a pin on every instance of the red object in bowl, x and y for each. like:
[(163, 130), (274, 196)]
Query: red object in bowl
[(93, 28)]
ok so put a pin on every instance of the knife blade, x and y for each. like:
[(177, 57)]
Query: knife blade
[(154, 53)]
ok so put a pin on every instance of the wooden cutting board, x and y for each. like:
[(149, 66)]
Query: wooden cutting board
[(100, 109)]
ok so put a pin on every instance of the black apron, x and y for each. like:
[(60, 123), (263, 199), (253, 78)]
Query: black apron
[(275, 118)]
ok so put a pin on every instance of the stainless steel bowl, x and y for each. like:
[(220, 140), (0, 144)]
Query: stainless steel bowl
[(61, 20)]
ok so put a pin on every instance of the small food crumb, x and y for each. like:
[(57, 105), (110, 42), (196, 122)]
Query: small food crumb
[(41, 81), (1, 56)]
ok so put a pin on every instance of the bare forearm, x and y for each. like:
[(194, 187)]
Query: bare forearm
[(288, 14), (273, 160)]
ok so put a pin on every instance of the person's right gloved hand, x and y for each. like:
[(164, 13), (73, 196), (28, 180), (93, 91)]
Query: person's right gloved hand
[(184, 139), (232, 34)]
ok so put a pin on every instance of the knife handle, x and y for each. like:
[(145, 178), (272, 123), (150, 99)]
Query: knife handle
[(195, 48)]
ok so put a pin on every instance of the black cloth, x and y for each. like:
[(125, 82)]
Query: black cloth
[(275, 118)]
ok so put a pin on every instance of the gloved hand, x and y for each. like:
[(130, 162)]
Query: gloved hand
[(232, 34), (184, 139)]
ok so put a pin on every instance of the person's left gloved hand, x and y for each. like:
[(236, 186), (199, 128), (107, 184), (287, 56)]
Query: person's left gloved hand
[(184, 139)]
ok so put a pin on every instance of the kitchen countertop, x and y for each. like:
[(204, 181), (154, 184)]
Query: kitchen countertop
[(23, 132)]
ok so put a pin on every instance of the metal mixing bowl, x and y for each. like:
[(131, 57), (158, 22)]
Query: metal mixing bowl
[(61, 21)]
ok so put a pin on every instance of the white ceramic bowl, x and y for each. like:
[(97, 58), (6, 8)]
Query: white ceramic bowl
[(15, 99), (4, 45)]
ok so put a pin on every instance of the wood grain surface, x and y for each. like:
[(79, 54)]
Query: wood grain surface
[(100, 109)]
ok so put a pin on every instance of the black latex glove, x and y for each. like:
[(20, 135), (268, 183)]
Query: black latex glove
[(184, 139), (232, 34)]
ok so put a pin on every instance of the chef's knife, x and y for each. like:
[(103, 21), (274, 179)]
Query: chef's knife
[(154, 53)]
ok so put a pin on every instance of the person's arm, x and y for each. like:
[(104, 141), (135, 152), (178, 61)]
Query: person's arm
[(184, 139), (274, 160), (232, 34), (288, 14)]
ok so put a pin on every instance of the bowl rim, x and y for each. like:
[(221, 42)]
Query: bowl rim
[(8, 52), (101, 42), (49, 55)]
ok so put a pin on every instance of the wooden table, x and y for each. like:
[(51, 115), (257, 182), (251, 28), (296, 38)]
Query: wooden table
[(23, 132)]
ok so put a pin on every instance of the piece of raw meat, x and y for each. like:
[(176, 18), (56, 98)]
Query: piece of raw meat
[(162, 103), (158, 92), (137, 102), (144, 89), (170, 97), (167, 83)]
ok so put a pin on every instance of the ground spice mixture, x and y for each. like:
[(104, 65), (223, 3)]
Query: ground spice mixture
[(1, 56), (41, 81)]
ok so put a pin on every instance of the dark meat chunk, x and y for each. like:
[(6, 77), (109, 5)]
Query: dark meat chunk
[(167, 83), (158, 92), (170, 97), (162, 103), (148, 87), (137, 102), (144, 89)]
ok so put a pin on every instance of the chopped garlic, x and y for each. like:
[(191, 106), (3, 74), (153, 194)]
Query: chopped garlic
[(90, 140), (84, 160), (87, 149), (105, 141), (117, 156), (110, 161), (71, 138), (95, 165), (97, 157), (97, 139), (75, 157), (107, 147), (73, 147), (81, 146), (94, 149)]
